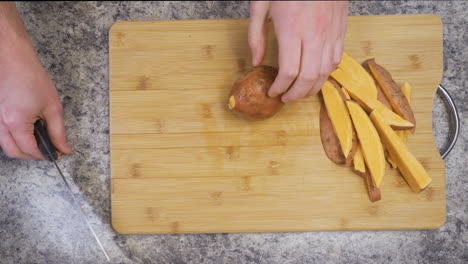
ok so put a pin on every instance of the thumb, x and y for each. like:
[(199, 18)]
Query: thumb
[(56, 129), (258, 30)]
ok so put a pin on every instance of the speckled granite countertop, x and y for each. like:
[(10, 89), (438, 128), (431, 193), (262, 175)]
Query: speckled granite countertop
[(39, 225)]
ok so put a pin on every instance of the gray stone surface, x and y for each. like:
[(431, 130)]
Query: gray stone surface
[(39, 225)]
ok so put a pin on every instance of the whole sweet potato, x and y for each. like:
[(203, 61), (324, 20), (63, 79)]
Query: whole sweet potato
[(249, 94)]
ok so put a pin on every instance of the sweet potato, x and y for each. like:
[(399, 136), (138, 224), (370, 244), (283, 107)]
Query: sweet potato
[(249, 94), (403, 134), (411, 169), (393, 93), (353, 76), (373, 191), (330, 142), (384, 107), (369, 140), (338, 87), (406, 89), (380, 94), (387, 115), (361, 169), (346, 94), (358, 161), (339, 116), (394, 120)]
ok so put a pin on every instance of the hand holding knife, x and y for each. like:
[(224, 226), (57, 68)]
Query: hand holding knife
[(49, 151)]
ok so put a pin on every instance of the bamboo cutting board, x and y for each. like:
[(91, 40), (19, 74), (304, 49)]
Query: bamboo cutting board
[(182, 163)]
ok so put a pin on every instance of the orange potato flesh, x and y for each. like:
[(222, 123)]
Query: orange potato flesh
[(369, 140), (411, 169)]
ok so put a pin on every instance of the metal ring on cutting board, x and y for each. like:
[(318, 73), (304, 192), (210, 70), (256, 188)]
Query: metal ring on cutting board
[(455, 124)]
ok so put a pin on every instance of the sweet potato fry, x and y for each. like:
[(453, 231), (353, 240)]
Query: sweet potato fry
[(394, 120), (412, 170), (330, 140), (393, 93), (339, 116), (358, 162), (353, 76), (406, 89), (380, 94), (369, 140), (346, 94), (373, 191)]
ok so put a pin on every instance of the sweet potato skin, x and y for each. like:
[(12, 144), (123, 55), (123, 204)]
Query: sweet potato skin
[(249, 94), (354, 147), (393, 92), (380, 94), (373, 191), (406, 89), (338, 87), (330, 142)]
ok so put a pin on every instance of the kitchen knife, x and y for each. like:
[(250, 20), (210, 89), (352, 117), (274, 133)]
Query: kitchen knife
[(49, 151)]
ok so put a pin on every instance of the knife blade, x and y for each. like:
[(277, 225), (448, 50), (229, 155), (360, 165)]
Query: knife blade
[(50, 152)]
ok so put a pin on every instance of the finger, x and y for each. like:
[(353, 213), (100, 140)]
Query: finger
[(310, 66), (326, 66), (315, 53), (339, 44), (337, 52), (344, 20), (338, 34), (257, 33), (289, 59), (23, 135), (318, 70), (9, 146), (56, 129), (26, 141), (325, 69), (328, 53)]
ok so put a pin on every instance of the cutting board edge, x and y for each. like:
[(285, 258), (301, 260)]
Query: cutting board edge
[(434, 90), (431, 226), (116, 24)]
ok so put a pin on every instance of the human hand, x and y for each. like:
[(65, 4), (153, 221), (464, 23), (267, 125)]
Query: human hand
[(310, 39), (26, 95)]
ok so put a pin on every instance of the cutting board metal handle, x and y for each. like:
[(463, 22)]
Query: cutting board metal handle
[(455, 121)]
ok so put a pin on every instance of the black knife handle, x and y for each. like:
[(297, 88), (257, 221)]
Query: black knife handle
[(43, 141)]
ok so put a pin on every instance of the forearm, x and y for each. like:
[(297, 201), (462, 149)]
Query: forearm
[(15, 43), (11, 24), (12, 31)]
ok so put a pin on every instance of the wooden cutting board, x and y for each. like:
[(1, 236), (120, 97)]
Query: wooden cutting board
[(182, 163)]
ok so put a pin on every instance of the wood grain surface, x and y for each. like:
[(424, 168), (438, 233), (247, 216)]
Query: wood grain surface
[(181, 162)]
